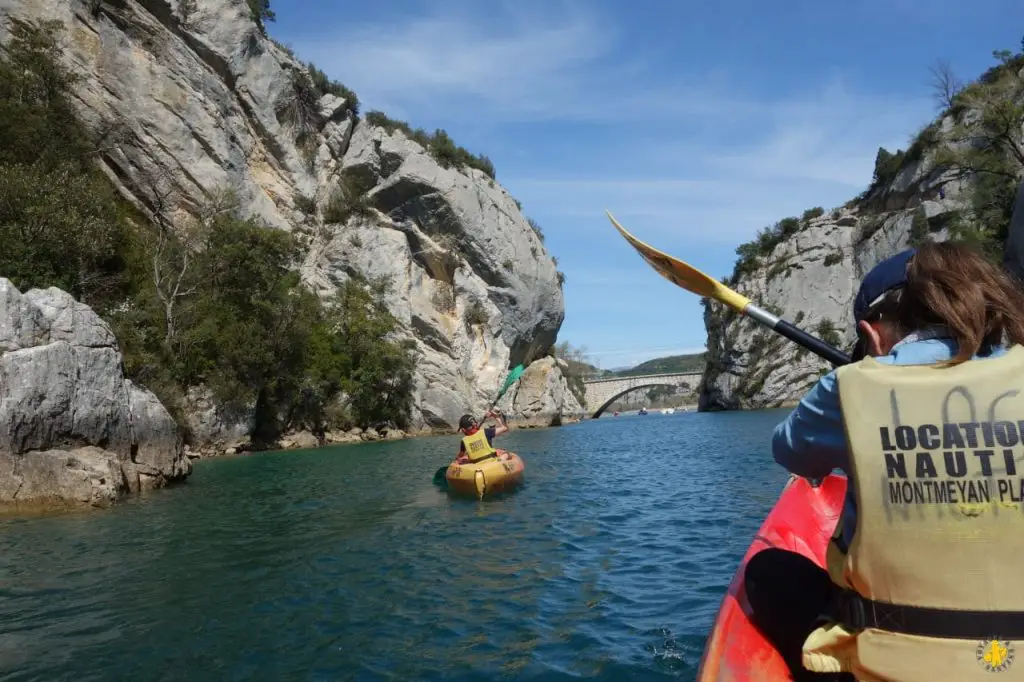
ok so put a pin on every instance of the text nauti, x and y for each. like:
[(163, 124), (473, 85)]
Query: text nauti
[(954, 463)]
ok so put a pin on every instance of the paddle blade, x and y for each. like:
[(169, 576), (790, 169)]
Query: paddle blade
[(512, 378), (682, 274)]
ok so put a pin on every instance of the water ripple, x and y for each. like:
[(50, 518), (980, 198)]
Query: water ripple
[(326, 565)]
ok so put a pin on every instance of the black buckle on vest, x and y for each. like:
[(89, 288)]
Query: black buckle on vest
[(859, 613), (850, 610)]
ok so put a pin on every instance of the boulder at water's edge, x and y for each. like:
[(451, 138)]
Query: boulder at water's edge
[(73, 430)]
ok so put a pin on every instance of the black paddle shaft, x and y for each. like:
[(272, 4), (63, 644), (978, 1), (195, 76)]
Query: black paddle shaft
[(812, 343)]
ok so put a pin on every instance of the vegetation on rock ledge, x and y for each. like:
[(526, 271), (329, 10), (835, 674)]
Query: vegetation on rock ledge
[(439, 145), (214, 300), (979, 138), (577, 368)]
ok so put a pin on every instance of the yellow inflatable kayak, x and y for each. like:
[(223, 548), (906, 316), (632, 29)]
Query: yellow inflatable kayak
[(502, 472)]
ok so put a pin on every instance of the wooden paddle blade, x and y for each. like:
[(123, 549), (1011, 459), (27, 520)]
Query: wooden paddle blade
[(682, 274)]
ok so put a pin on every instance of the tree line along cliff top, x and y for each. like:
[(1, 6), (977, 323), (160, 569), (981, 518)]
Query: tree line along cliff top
[(439, 144), (311, 83), (976, 139)]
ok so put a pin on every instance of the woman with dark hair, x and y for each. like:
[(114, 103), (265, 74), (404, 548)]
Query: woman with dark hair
[(921, 581)]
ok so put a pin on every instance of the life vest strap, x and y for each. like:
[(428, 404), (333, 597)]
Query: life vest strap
[(859, 613), (490, 455)]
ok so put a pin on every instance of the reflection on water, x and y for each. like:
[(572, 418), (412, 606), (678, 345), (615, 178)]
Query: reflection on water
[(346, 563)]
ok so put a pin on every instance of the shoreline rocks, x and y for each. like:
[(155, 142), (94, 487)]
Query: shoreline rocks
[(73, 430)]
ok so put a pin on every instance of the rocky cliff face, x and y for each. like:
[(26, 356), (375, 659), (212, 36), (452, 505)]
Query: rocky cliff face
[(811, 276), (543, 396), (72, 428), (196, 98)]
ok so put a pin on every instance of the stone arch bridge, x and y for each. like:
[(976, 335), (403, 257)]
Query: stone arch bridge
[(603, 392)]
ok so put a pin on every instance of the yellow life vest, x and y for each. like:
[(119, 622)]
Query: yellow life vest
[(931, 584), (477, 447)]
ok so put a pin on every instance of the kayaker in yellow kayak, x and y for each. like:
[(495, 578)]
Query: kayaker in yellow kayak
[(476, 440), (929, 428)]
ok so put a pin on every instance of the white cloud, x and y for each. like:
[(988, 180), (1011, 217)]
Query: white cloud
[(529, 62), (505, 63), (713, 212), (818, 150), (831, 136), (630, 357)]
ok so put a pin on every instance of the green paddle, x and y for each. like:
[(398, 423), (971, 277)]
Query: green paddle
[(513, 377)]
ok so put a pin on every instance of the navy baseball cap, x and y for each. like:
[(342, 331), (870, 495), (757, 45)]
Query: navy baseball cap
[(888, 275)]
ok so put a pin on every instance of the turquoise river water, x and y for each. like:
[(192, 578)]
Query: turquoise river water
[(346, 563)]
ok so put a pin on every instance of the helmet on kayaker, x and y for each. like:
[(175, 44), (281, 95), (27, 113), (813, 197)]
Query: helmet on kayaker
[(888, 276), (882, 283), (467, 423)]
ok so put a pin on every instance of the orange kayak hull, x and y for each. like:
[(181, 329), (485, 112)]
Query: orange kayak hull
[(802, 521), (486, 478)]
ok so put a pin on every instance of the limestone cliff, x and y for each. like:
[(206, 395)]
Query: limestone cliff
[(73, 430), (543, 396), (194, 97), (810, 279), (956, 180)]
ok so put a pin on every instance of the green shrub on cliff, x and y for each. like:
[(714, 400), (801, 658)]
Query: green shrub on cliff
[(439, 144), (751, 254), (214, 300), (812, 213), (261, 12), (887, 165), (60, 219), (326, 86), (988, 148), (535, 226), (348, 199), (577, 369), (985, 148), (828, 333)]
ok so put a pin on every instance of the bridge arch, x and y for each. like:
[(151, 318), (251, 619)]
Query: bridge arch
[(601, 410), (603, 392)]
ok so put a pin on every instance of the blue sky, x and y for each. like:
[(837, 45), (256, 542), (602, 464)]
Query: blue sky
[(694, 123)]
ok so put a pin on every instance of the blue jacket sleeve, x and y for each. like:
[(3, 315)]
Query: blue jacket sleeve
[(811, 442)]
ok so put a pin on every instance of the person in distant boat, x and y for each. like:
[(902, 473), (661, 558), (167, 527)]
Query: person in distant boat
[(921, 580), (477, 443)]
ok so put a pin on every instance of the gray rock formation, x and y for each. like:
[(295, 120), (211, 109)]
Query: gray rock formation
[(542, 397), (205, 101), (471, 280), (73, 430), (215, 428), (811, 279)]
